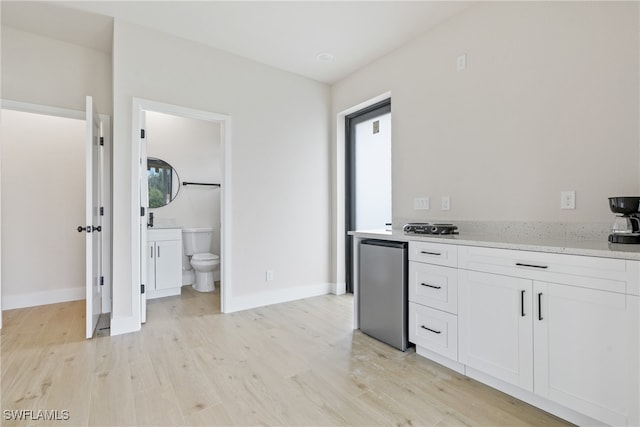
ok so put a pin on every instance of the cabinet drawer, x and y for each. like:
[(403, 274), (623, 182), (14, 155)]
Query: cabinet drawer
[(434, 286), (158, 234), (606, 274), (434, 330), (434, 253)]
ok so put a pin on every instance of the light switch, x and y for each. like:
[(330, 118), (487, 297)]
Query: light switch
[(446, 203), (461, 62)]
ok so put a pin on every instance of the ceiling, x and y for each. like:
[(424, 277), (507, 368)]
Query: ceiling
[(284, 34)]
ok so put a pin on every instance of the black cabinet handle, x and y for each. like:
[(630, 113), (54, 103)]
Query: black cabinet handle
[(431, 286), (520, 264), (540, 306), (431, 253), (431, 330), (81, 229), (522, 303), (98, 228)]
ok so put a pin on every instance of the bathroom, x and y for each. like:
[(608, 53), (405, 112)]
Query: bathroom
[(193, 150)]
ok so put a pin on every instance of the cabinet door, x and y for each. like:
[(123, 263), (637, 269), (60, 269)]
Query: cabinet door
[(168, 268), (151, 266), (585, 346), (495, 326)]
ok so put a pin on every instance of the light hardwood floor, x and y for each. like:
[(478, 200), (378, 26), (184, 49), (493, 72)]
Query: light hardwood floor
[(292, 364)]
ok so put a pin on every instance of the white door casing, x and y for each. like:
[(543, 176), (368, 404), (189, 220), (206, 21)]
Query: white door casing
[(93, 219), (139, 268)]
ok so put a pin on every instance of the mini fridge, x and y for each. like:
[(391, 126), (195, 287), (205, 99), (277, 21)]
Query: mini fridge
[(382, 291)]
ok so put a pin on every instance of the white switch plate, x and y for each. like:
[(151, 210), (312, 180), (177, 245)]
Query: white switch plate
[(421, 203), (446, 203), (268, 275), (567, 199), (461, 62)]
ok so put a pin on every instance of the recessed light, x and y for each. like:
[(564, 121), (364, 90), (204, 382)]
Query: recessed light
[(325, 57)]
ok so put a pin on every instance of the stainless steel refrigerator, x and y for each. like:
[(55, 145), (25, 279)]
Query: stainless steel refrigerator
[(382, 291)]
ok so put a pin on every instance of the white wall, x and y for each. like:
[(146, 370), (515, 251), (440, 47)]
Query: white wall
[(549, 102), (44, 71), (43, 192), (192, 148), (279, 169)]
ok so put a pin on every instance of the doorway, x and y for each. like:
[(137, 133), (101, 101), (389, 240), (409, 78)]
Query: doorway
[(141, 110), (367, 174), (44, 180)]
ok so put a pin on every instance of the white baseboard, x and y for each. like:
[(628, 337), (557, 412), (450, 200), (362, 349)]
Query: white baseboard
[(277, 296), (339, 288), (9, 302)]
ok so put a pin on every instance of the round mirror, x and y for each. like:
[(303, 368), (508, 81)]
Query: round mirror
[(163, 182)]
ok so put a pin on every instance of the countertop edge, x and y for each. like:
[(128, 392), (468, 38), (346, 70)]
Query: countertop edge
[(578, 247)]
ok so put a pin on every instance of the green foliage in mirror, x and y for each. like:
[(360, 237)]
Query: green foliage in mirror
[(163, 182)]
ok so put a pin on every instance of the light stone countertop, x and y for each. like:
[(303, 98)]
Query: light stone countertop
[(586, 247)]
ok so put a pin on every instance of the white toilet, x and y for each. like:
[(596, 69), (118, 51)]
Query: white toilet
[(197, 247)]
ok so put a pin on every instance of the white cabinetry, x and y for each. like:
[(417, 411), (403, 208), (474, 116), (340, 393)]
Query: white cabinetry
[(585, 351), (433, 300), (495, 326), (572, 338), (164, 262)]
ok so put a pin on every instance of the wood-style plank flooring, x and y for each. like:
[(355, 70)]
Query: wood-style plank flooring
[(292, 364)]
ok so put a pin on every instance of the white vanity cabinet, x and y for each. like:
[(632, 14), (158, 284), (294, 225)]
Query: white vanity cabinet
[(572, 338), (164, 262)]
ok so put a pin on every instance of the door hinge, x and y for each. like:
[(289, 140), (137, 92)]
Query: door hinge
[(142, 289), (101, 280), (102, 140), (101, 210), (142, 211), (142, 133)]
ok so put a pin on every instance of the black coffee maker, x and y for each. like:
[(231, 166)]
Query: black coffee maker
[(626, 228)]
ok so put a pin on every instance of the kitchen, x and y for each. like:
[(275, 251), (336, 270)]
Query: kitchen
[(516, 145), (548, 97)]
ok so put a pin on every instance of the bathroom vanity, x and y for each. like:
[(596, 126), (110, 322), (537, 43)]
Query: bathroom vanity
[(164, 262)]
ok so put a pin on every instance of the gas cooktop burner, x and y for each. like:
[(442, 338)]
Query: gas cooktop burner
[(426, 228)]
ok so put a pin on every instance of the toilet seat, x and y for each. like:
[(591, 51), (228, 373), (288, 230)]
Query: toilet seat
[(205, 257)]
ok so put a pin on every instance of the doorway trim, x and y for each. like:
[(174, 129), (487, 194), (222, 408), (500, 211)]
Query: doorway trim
[(139, 107), (340, 230)]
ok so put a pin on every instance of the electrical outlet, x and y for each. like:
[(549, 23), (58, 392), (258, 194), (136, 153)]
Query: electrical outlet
[(446, 203), (268, 276), (421, 203), (568, 199)]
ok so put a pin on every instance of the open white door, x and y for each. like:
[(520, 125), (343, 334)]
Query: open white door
[(144, 205), (93, 219)]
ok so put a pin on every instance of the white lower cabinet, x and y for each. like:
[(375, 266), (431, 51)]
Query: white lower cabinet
[(585, 351), (575, 346), (434, 330), (164, 263), (495, 326)]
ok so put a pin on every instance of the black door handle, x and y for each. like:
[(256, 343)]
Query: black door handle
[(89, 228), (540, 306)]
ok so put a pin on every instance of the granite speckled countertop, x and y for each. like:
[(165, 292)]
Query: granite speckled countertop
[(542, 243)]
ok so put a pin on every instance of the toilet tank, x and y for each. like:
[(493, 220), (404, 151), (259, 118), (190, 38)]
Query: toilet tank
[(197, 240)]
